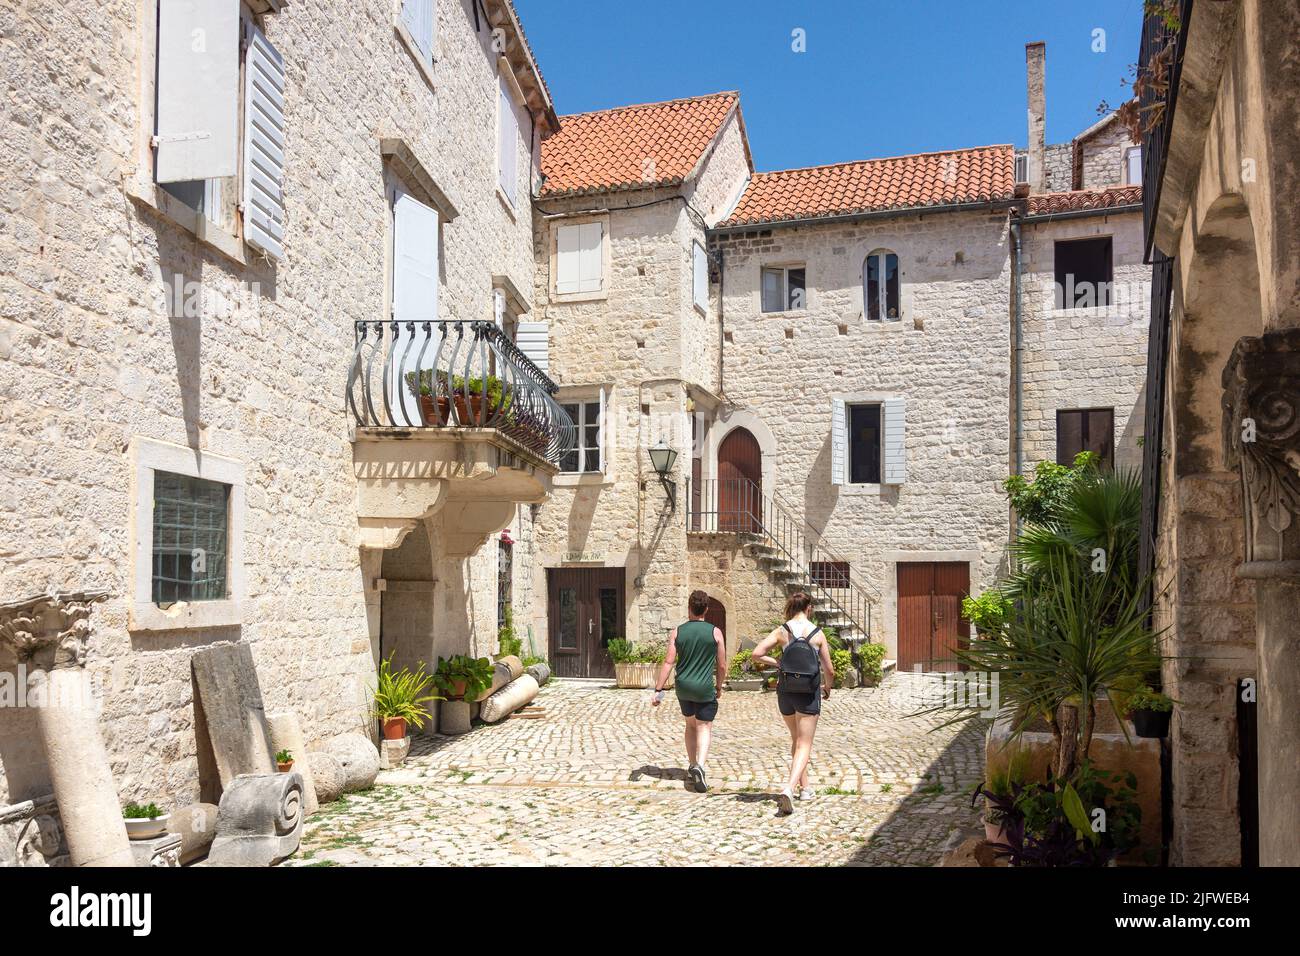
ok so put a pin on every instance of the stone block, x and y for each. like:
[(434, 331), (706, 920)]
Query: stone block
[(393, 752), (329, 777), (259, 822), (233, 723), (286, 734), (359, 759), (509, 699), (162, 851), (196, 825), (454, 717)]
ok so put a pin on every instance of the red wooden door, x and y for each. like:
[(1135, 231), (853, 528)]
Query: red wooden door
[(930, 625), (717, 615), (585, 611), (740, 482)]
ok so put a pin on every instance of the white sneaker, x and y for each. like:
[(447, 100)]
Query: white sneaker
[(785, 801), (807, 793)]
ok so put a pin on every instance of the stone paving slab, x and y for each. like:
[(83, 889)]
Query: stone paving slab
[(599, 781)]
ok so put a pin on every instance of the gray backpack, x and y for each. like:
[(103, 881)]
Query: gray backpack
[(801, 665)]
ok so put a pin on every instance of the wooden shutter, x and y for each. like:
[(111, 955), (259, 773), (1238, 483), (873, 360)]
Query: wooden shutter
[(533, 340), (263, 199), (591, 262), (895, 470), (700, 274), (418, 16), (839, 442), (197, 122), (507, 141), (567, 240)]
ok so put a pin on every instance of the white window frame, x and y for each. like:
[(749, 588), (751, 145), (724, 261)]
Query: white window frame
[(784, 270), (700, 277), (148, 456), (1131, 154), (882, 255), (584, 402), (605, 259), (508, 96)]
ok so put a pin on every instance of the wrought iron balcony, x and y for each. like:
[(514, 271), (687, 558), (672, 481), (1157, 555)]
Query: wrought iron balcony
[(1160, 68), (416, 375)]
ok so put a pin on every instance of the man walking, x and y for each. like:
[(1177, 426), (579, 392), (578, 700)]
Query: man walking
[(699, 651)]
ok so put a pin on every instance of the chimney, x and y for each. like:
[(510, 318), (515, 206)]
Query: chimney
[(1036, 68)]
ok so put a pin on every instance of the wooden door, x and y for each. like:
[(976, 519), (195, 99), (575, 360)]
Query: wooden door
[(585, 611), (930, 625), (717, 615), (740, 482)]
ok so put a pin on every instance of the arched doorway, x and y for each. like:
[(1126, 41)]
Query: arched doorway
[(717, 615), (740, 482)]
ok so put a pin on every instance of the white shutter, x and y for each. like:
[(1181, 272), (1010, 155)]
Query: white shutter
[(895, 441), (197, 123), (701, 277), (499, 308), (415, 298), (507, 142), (418, 16), (600, 432), (263, 199), (591, 262), (567, 239), (533, 340), (839, 442)]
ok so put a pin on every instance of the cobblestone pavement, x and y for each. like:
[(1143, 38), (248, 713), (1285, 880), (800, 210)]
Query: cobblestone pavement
[(600, 780)]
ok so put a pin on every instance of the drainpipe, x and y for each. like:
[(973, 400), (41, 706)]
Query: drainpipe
[(722, 324), (1019, 350)]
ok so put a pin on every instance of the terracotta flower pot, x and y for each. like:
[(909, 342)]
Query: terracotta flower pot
[(995, 833), (457, 690), (436, 411), (394, 728), (284, 767)]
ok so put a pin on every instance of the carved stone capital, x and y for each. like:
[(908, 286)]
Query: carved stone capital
[(1261, 436), (50, 630)]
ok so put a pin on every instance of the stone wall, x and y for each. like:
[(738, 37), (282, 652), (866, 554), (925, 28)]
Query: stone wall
[(1102, 156), (93, 357), (949, 357), (720, 565), (1085, 358)]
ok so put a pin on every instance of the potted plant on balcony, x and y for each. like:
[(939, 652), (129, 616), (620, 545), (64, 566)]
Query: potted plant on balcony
[(1150, 712), (144, 822), (401, 699)]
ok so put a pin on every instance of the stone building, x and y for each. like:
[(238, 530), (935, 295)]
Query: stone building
[(1222, 488), (208, 204)]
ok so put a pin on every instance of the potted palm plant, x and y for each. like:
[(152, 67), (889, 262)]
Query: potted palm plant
[(401, 698)]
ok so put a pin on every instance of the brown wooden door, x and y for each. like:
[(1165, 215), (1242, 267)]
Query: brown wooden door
[(930, 625), (585, 612), (717, 615), (740, 482)]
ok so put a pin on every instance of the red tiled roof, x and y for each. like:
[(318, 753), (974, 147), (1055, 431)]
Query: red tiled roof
[(654, 144), (1081, 200), (983, 174)]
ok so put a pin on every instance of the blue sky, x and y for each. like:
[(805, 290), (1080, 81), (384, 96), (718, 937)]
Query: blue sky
[(878, 78)]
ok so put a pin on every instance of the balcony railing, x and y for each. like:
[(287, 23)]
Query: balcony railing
[(1160, 63), (414, 375)]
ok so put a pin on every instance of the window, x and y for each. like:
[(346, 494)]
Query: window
[(420, 20), (505, 561), (880, 287), (585, 456), (1133, 166), (784, 289), (189, 538), (1022, 167), (1087, 429), (700, 276), (579, 258), (507, 141), (864, 444), (829, 574), (1083, 273)]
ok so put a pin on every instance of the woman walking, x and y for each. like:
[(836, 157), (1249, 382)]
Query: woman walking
[(805, 681)]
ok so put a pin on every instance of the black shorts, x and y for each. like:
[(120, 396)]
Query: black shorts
[(790, 704), (700, 710)]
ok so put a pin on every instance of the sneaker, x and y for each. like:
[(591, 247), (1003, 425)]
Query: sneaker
[(807, 793), (785, 801), (696, 773)]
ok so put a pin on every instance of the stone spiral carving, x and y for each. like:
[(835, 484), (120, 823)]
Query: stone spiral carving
[(259, 821)]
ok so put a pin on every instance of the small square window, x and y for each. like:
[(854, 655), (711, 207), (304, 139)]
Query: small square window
[(190, 530), (784, 289), (1083, 273), (1086, 429)]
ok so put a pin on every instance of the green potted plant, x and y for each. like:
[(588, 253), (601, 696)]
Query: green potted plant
[(508, 642), (401, 699), (624, 655), (144, 822), (1150, 712), (741, 674), (461, 677), (284, 761), (870, 657), (1000, 787)]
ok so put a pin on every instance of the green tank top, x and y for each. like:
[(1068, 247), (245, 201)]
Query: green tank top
[(697, 662)]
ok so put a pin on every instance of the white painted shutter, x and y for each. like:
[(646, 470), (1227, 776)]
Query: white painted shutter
[(600, 431), (418, 16), (197, 123), (415, 298), (507, 142), (533, 340), (567, 239), (839, 442), (701, 277), (263, 199), (499, 308), (895, 441), (591, 262)]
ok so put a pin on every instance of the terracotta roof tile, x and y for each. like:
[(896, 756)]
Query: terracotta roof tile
[(654, 144), (983, 174), (1084, 199)]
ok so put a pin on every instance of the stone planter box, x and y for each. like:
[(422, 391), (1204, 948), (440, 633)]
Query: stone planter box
[(638, 676), (745, 683)]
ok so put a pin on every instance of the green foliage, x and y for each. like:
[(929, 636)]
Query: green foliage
[(621, 651), (870, 657), (284, 756), (739, 666), (841, 661), (134, 811), (625, 652), (476, 672), (1148, 699), (988, 612), (508, 643), (532, 659), (1049, 809), (405, 693), (1039, 501)]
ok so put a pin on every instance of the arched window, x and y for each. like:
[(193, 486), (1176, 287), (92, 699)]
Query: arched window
[(880, 287)]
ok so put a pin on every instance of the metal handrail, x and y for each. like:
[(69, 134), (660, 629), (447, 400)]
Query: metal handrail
[(750, 511), (454, 375)]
